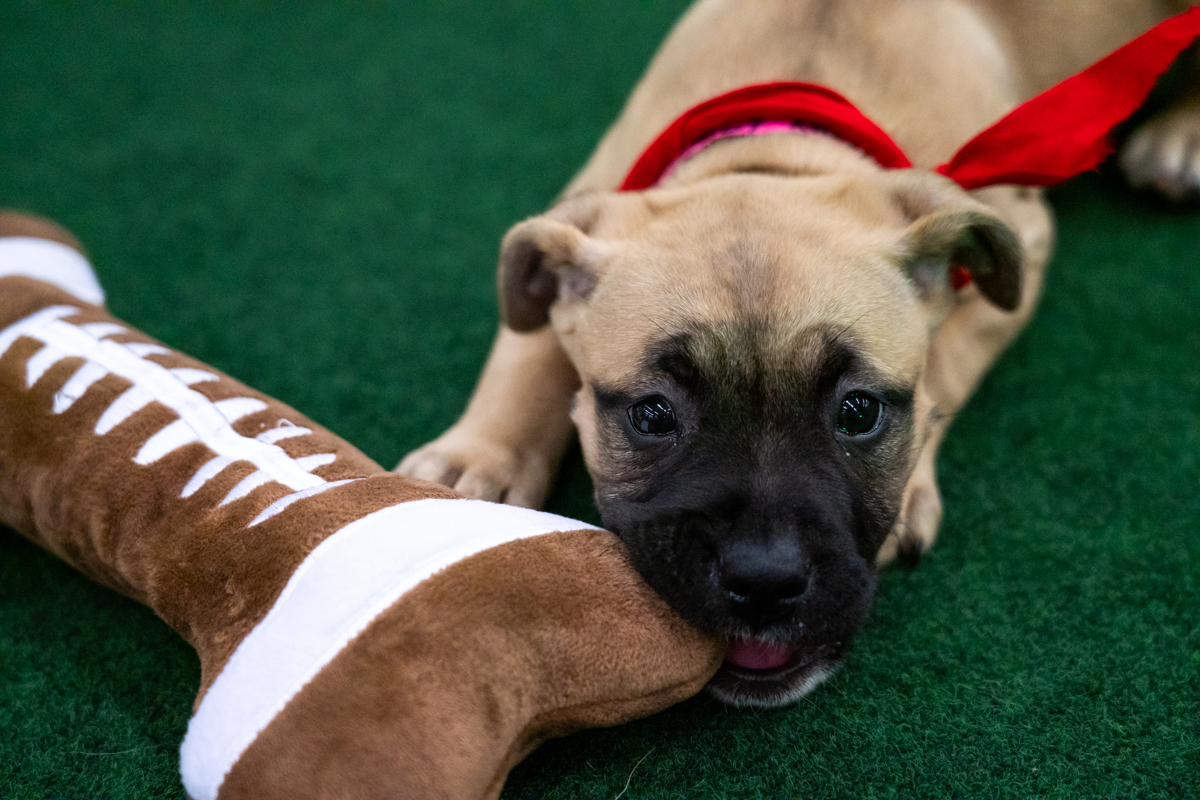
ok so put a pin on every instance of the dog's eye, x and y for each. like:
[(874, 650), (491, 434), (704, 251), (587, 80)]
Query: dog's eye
[(859, 414), (652, 416)]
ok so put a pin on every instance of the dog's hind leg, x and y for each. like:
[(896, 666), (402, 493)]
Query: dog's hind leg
[(507, 445), (1164, 152), (973, 336)]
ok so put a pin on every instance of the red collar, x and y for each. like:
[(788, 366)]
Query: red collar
[(1058, 134)]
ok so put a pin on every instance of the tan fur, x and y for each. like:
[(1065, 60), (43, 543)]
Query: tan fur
[(824, 221)]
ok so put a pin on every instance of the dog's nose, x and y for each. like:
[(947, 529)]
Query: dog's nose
[(763, 575)]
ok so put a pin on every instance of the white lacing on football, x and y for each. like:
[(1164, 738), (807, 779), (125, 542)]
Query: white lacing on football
[(199, 419)]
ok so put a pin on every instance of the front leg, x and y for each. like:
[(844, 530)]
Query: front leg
[(507, 445), (961, 352)]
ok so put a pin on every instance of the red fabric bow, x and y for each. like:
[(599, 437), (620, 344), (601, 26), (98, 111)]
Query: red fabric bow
[(1062, 132)]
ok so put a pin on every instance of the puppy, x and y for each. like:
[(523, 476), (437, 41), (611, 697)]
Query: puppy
[(762, 352)]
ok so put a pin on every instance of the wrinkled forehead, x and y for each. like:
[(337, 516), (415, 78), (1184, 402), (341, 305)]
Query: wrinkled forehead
[(764, 279), (765, 360)]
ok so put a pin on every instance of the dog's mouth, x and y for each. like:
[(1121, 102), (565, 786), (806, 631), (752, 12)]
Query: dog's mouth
[(758, 672)]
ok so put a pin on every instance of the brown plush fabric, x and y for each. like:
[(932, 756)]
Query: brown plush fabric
[(510, 647), (440, 696), (19, 223), (84, 498)]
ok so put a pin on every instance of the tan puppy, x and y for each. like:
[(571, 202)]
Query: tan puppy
[(762, 353)]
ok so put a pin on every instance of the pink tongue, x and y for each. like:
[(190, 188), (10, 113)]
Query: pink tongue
[(756, 654)]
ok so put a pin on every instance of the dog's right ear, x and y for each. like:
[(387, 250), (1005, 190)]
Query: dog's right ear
[(949, 228), (546, 259)]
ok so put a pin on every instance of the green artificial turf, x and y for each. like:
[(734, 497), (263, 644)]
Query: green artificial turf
[(310, 198)]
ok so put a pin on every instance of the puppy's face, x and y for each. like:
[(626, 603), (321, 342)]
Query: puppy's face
[(751, 351)]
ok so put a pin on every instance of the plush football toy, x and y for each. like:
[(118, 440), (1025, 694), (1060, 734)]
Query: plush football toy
[(361, 634)]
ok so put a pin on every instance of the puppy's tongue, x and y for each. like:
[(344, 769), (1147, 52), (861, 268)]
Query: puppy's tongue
[(757, 654)]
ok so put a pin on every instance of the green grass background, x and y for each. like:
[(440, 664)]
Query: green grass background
[(310, 198)]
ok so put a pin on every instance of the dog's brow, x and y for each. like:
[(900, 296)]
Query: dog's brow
[(742, 360), (656, 324), (845, 329), (609, 397), (672, 355)]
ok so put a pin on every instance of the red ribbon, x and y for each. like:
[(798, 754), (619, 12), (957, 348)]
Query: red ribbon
[(798, 103), (1062, 132)]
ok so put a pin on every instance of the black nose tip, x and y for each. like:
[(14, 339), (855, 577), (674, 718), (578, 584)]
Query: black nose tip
[(763, 573)]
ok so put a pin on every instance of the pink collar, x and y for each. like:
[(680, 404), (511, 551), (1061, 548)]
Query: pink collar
[(748, 129), (1058, 134)]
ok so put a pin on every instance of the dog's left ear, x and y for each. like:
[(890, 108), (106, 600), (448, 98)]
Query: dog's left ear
[(548, 259), (951, 229)]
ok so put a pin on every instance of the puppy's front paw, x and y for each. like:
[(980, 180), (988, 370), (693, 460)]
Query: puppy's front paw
[(917, 526), (477, 467), (1164, 154)]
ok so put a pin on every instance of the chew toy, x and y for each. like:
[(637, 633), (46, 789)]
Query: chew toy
[(360, 634)]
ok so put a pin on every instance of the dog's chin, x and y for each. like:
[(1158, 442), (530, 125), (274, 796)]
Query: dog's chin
[(760, 674)]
